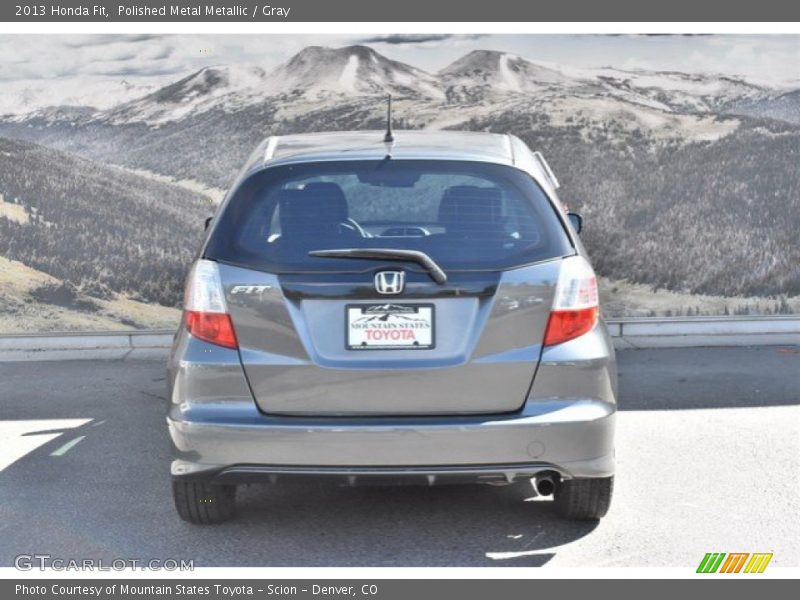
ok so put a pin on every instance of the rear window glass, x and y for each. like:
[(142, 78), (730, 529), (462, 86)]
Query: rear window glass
[(464, 215)]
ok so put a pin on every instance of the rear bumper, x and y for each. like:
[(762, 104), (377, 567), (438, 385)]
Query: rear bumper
[(233, 441)]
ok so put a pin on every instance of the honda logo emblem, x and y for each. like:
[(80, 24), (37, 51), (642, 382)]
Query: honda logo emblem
[(390, 282)]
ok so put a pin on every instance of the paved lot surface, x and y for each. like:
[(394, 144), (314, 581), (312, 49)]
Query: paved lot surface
[(708, 460)]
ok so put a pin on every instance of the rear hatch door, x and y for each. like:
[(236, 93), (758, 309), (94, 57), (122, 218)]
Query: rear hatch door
[(453, 326), (303, 351)]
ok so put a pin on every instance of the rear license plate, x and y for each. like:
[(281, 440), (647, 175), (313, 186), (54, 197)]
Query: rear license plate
[(389, 326)]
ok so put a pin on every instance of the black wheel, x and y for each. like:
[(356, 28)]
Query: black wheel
[(204, 503), (584, 499)]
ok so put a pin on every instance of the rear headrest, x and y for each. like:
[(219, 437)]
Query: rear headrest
[(317, 206), (329, 198), (291, 208), (468, 207)]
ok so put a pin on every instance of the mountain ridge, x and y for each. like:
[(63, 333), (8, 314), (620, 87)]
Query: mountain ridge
[(318, 73)]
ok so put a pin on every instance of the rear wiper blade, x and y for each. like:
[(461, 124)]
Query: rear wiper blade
[(434, 270)]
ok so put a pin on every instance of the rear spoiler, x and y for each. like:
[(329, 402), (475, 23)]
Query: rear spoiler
[(551, 177)]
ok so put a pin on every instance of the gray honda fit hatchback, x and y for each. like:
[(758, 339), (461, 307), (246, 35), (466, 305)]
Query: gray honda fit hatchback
[(415, 310)]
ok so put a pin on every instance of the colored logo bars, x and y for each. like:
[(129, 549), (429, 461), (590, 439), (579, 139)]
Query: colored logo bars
[(736, 562)]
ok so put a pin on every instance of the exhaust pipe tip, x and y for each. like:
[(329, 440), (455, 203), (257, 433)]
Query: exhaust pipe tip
[(544, 484)]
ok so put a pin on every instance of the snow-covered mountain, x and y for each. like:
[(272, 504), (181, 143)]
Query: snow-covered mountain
[(483, 80), (483, 72), (350, 71), (171, 129), (682, 91), (227, 87), (314, 74)]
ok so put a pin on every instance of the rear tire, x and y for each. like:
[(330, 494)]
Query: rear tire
[(584, 499), (204, 503)]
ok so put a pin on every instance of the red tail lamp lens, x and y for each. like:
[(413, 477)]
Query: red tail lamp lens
[(565, 325), (215, 328)]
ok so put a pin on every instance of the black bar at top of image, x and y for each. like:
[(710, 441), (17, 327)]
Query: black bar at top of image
[(400, 11)]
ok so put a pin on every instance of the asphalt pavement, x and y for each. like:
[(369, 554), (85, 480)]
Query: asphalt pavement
[(708, 449)]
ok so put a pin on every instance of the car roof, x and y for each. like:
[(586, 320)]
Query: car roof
[(424, 144), (451, 145)]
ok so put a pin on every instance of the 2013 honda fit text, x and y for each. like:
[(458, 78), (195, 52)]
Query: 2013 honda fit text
[(417, 307)]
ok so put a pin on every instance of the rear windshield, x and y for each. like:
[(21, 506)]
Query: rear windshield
[(464, 215)]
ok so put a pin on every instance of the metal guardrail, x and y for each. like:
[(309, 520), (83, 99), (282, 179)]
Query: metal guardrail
[(672, 332), (86, 345)]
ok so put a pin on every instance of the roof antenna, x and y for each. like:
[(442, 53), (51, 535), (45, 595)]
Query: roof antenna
[(389, 138)]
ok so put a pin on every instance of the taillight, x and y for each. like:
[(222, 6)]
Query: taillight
[(576, 305), (205, 313)]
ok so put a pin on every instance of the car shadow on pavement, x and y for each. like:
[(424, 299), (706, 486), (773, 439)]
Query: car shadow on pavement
[(447, 525)]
